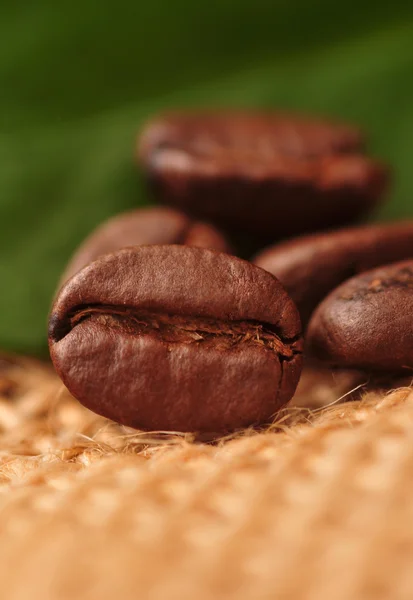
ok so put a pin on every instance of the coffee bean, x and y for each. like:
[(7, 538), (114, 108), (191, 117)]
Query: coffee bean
[(254, 132), (265, 174), (310, 267), (367, 322), (177, 338), (155, 225)]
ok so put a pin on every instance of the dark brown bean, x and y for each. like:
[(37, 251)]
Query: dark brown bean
[(255, 132), (367, 322), (154, 225), (177, 338), (264, 174), (310, 267)]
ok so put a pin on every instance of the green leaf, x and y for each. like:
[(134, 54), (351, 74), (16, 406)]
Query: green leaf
[(78, 79)]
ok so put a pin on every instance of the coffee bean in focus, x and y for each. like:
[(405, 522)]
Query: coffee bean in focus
[(177, 338)]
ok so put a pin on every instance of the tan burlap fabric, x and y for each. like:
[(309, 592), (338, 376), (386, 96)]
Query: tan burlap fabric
[(320, 507)]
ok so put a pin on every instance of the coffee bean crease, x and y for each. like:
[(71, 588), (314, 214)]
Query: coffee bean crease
[(173, 328)]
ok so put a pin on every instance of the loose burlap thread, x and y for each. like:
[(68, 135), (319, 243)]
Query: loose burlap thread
[(319, 506)]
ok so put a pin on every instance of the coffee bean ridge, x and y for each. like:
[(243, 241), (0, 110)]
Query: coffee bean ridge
[(173, 328)]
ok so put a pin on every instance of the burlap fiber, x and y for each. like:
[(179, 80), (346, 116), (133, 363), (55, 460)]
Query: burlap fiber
[(318, 507)]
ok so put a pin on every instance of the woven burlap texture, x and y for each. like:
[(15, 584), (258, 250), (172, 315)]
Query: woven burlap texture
[(319, 507)]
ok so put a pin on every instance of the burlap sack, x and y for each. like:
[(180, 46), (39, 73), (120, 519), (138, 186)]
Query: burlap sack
[(319, 507)]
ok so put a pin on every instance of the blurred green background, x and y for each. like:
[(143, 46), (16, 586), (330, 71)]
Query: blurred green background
[(78, 78)]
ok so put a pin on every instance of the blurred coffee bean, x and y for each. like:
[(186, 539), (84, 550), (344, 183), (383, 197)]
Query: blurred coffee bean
[(265, 174), (145, 226), (310, 267)]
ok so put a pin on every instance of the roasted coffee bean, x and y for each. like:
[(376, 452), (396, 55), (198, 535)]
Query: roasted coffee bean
[(367, 322), (265, 174), (177, 338), (155, 225), (310, 267), (256, 132)]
